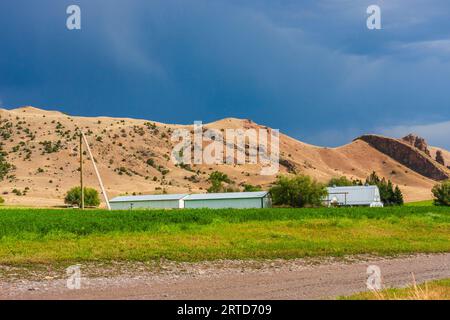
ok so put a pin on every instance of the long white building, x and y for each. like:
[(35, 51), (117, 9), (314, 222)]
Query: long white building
[(237, 200)]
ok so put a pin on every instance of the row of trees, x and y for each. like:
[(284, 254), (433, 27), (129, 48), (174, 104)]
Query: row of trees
[(303, 191)]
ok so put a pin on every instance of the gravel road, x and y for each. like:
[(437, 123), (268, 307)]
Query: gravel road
[(278, 279)]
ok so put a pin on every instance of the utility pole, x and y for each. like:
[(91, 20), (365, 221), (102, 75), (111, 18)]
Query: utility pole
[(81, 171), (96, 171)]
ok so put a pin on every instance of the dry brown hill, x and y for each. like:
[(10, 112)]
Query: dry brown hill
[(133, 156)]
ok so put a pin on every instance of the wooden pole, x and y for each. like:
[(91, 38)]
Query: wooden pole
[(105, 196), (81, 171)]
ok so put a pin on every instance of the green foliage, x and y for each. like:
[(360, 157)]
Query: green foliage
[(298, 191), (398, 196), (91, 197), (343, 182), (2, 200), (151, 162), (251, 188), (389, 196), (17, 192), (217, 180), (5, 167), (51, 147), (441, 194), (5, 129)]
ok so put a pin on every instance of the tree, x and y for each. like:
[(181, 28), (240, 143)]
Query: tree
[(217, 179), (441, 194), (298, 191), (340, 182), (373, 179), (439, 157), (389, 196), (398, 196), (91, 197)]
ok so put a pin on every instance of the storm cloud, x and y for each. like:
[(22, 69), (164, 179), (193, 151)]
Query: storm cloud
[(309, 68)]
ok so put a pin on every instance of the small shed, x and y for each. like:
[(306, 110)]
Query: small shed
[(162, 201), (238, 200), (354, 196)]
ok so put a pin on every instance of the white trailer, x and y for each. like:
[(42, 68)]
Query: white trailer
[(354, 196)]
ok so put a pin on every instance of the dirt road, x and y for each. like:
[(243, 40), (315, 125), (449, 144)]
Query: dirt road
[(296, 279)]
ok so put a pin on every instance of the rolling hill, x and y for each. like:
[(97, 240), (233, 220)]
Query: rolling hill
[(133, 156)]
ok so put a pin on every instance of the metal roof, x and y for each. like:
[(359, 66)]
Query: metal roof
[(227, 195), (354, 195), (200, 196), (351, 188), (154, 197)]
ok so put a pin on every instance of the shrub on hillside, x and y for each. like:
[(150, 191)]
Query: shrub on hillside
[(251, 188), (298, 191), (5, 167), (2, 200), (441, 194), (91, 197), (217, 180), (343, 182)]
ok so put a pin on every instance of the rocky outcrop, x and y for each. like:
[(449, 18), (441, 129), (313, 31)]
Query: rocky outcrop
[(417, 142), (289, 165), (410, 156), (439, 157)]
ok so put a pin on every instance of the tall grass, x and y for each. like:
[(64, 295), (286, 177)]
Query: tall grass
[(46, 235), (432, 290), (423, 203)]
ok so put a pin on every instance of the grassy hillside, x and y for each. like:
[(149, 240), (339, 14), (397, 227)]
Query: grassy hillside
[(48, 236), (41, 155)]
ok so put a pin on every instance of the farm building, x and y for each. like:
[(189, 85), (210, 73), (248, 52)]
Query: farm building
[(163, 201), (240, 200), (354, 196)]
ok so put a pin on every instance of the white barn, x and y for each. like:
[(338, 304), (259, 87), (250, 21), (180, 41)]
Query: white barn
[(354, 196), (159, 201), (237, 200)]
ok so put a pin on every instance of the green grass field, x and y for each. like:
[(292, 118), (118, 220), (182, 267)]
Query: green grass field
[(48, 236), (424, 203)]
